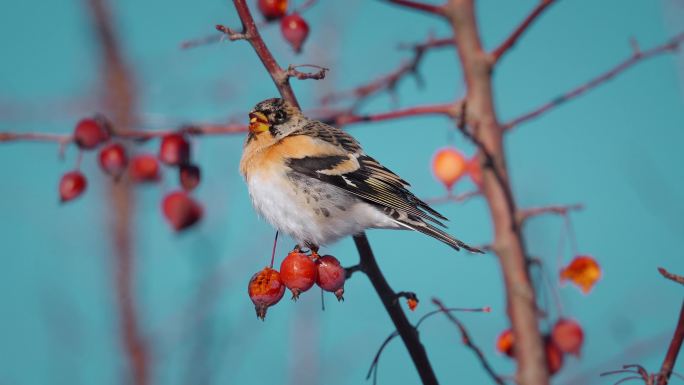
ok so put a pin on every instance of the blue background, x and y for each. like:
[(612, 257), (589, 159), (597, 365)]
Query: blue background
[(617, 150)]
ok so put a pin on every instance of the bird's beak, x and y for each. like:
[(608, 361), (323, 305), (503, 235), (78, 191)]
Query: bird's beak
[(258, 122)]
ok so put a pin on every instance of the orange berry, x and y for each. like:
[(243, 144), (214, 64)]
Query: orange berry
[(583, 271), (412, 303), (298, 273), (448, 166), (568, 336), (475, 171), (504, 343), (272, 9)]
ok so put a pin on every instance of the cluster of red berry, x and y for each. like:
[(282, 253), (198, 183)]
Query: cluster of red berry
[(298, 272), (179, 208), (566, 338), (293, 27)]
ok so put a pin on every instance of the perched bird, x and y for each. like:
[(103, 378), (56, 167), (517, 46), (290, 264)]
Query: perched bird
[(314, 183)]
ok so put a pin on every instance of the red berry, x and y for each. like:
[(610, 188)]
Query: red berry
[(331, 275), (113, 159), (265, 289), (72, 185), (448, 165), (144, 168), (475, 171), (174, 150), (272, 9), (554, 356), (89, 133), (295, 30), (412, 303), (505, 343), (180, 210), (568, 336), (298, 273), (189, 176)]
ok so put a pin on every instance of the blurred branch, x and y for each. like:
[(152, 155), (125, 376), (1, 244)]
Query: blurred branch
[(449, 110), (467, 341), (637, 56), (525, 214), (670, 276), (522, 28), (451, 197), (390, 81), (120, 100)]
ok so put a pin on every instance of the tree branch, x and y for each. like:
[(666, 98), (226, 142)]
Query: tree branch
[(390, 81), (406, 331), (525, 214), (449, 110), (508, 243), (670, 276), (524, 26), (467, 341), (120, 101), (432, 9), (637, 56), (672, 351)]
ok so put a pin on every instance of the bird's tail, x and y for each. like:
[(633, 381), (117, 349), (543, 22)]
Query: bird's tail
[(436, 233)]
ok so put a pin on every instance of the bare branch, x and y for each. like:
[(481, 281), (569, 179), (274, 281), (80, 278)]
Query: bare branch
[(416, 5), (449, 110), (637, 56), (670, 276), (294, 73), (524, 26), (450, 197), (390, 81), (672, 351), (467, 341), (525, 214)]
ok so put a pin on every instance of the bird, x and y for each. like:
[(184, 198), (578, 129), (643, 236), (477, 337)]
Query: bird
[(313, 182)]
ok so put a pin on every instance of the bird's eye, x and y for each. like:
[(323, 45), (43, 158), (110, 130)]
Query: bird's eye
[(279, 117)]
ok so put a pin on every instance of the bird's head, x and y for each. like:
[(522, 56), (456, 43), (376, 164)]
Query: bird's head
[(273, 119)]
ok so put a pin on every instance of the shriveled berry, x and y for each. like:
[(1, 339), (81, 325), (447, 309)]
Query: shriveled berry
[(113, 159), (265, 289), (272, 9), (331, 275), (554, 356), (90, 132), (174, 150), (505, 343), (298, 273), (568, 336), (448, 166), (72, 185), (180, 210), (189, 176), (295, 30), (144, 168)]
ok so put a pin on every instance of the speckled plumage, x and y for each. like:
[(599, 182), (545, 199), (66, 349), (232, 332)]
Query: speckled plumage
[(314, 183)]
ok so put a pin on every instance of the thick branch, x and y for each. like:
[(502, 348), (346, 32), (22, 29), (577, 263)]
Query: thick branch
[(672, 351), (120, 101), (508, 243), (515, 35), (468, 342), (406, 331), (637, 56)]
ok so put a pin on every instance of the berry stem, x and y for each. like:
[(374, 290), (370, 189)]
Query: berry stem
[(275, 242)]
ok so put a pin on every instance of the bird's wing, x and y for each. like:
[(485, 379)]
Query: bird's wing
[(345, 166)]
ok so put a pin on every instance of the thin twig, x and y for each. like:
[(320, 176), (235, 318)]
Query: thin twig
[(671, 276), (416, 5), (672, 351), (524, 26), (637, 56), (467, 341), (562, 210), (451, 197)]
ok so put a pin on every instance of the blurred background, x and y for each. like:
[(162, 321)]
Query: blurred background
[(617, 150)]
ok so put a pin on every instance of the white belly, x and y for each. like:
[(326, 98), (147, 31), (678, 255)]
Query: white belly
[(312, 211)]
